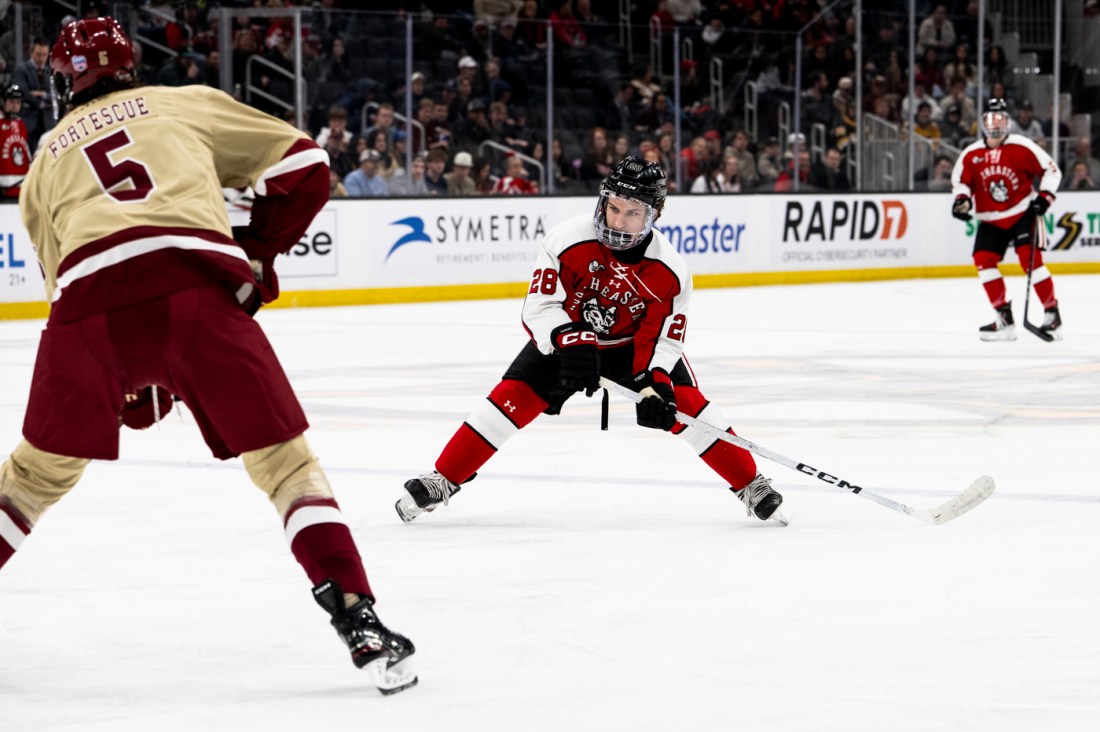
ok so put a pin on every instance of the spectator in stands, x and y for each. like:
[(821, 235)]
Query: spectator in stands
[(502, 129), (746, 163), (417, 82), (1082, 153), (940, 179), (827, 175), (655, 114), (958, 97), (565, 172), (845, 131), (930, 73), (966, 26), (885, 44), (961, 67), (714, 147), (597, 161), (459, 182), (410, 184), (480, 43), (382, 120), (335, 185), (924, 125), (952, 128), (719, 179), (484, 180), (695, 158), (341, 156), (996, 68), (181, 70), (514, 181), (1064, 132), (685, 12), (666, 150), (400, 152), (365, 181), (621, 147), (434, 180), (1025, 123), (936, 32), (691, 86), (623, 115), (768, 163), (506, 45), (468, 71), (843, 94), (644, 83), (337, 127), (387, 165), (530, 27), (334, 64), (921, 96), (785, 181), (33, 77), (817, 104), (1079, 178), (474, 129)]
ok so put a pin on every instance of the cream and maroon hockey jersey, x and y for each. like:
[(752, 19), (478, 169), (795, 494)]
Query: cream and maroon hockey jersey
[(1000, 179), (139, 174), (578, 279)]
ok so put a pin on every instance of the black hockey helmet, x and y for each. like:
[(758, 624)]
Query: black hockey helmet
[(637, 182), (995, 119), (13, 91)]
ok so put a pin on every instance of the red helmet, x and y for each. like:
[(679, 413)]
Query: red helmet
[(89, 50)]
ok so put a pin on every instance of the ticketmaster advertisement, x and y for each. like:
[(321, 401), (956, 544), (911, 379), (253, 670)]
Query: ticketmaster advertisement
[(382, 250)]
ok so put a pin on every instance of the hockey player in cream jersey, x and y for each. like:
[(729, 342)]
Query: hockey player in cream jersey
[(150, 293), (609, 296)]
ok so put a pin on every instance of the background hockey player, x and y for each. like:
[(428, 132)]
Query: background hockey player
[(997, 173), (15, 153), (609, 296), (151, 294)]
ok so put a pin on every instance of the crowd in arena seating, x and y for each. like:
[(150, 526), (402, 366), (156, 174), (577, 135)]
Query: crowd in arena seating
[(480, 102)]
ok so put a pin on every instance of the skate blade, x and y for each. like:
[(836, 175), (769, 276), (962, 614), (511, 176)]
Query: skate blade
[(779, 518), (406, 508), (1007, 333), (391, 679)]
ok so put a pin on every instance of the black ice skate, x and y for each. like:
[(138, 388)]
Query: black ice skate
[(424, 494), (1052, 323), (385, 656), (1001, 329), (761, 500)]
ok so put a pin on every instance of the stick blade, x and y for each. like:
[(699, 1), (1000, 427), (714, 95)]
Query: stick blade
[(969, 499), (1036, 330)]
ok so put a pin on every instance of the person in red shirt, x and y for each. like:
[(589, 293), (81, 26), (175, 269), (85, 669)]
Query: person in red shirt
[(514, 181), (15, 152), (992, 181)]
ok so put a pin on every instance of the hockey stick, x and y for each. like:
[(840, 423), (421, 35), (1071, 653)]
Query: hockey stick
[(1038, 232), (975, 493)]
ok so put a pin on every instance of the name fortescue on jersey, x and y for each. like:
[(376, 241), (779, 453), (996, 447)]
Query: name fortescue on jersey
[(97, 120), (1001, 170)]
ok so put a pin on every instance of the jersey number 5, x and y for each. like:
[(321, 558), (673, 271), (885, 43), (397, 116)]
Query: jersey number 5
[(113, 175)]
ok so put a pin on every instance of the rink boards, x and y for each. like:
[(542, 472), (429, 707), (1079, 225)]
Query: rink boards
[(409, 250)]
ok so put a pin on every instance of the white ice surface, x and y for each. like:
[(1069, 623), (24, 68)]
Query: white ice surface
[(603, 581)]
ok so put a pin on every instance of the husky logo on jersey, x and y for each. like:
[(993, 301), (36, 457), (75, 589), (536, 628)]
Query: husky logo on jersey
[(998, 191), (595, 266), (601, 319), (17, 156), (80, 63)]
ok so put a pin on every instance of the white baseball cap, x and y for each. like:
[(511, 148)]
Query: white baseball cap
[(464, 159)]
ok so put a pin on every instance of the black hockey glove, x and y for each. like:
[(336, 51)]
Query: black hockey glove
[(1040, 203), (580, 356), (658, 408), (961, 209)]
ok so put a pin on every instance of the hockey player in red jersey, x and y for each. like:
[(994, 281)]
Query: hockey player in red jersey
[(15, 153), (997, 173), (609, 296), (151, 293)]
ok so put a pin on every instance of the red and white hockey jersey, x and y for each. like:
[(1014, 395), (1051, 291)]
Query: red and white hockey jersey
[(577, 278), (15, 156), (999, 179)]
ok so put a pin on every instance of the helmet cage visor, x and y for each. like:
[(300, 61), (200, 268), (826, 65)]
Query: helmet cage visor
[(635, 217), (995, 124)]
